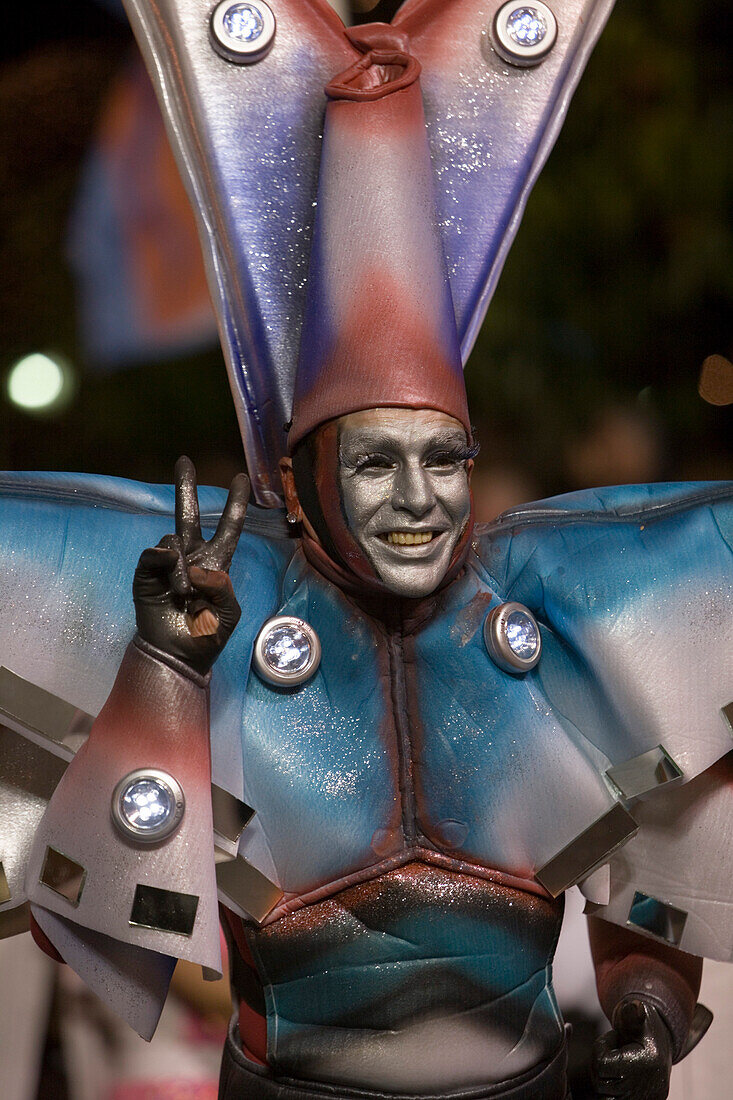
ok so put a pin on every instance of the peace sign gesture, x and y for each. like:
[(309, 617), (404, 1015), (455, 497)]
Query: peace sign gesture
[(184, 600)]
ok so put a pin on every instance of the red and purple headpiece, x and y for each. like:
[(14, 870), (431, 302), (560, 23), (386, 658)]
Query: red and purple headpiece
[(379, 327)]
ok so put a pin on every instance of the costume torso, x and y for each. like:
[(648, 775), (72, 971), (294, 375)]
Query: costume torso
[(411, 928), (412, 947), (407, 794)]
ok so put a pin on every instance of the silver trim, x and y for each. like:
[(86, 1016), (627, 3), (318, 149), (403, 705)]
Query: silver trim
[(511, 51), (286, 679), (163, 910), (232, 49), (496, 642), (165, 828), (657, 918), (583, 855), (41, 716), (645, 773), (238, 881), (15, 921), (231, 815), (727, 712), (5, 894), (63, 875)]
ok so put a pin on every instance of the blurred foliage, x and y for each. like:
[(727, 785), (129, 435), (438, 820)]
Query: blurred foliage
[(619, 284)]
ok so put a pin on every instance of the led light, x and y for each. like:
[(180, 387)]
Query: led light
[(40, 384), (512, 638), (147, 805), (243, 22), (242, 32), (287, 651), (524, 34)]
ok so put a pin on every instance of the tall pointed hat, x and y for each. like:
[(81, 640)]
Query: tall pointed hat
[(379, 326), (245, 124)]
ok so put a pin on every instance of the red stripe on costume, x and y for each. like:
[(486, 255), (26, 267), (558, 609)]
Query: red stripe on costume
[(252, 1025)]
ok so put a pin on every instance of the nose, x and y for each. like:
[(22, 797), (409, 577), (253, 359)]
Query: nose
[(413, 490)]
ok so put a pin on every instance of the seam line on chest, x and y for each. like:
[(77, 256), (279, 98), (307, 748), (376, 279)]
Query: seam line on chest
[(398, 692)]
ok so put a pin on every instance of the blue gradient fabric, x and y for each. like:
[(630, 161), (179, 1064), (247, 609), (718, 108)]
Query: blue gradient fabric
[(406, 795)]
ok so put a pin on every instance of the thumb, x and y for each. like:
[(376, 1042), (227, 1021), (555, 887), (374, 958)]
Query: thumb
[(629, 1021), (216, 587), (212, 583)]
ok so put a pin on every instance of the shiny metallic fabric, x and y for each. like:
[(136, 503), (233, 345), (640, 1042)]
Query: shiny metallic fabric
[(247, 139)]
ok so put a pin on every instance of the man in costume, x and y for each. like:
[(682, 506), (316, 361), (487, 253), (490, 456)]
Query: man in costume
[(439, 728)]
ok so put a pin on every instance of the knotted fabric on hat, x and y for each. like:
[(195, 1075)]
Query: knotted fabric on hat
[(379, 327)]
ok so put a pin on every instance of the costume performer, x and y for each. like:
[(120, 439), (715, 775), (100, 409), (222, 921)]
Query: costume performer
[(422, 731)]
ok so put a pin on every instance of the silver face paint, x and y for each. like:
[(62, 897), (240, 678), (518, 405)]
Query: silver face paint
[(404, 483)]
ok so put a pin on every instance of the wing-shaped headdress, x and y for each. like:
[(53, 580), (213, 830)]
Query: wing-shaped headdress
[(248, 137)]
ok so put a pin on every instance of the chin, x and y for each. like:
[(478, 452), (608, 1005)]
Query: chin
[(414, 586)]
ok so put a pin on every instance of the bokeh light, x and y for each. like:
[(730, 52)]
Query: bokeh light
[(40, 384)]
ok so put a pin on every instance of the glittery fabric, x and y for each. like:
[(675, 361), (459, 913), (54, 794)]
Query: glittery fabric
[(154, 718), (409, 746), (417, 981), (379, 327), (248, 139)]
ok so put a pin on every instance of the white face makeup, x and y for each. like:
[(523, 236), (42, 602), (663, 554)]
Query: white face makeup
[(403, 477)]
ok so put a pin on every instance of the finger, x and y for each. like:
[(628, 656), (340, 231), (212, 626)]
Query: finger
[(188, 522), (230, 525), (151, 576), (203, 623), (178, 572), (608, 1059), (214, 584), (156, 559)]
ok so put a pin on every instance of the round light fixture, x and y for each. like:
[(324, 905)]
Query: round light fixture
[(242, 32), (148, 805), (524, 34), (287, 651), (512, 637)]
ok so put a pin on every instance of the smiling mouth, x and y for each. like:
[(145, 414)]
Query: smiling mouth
[(408, 538)]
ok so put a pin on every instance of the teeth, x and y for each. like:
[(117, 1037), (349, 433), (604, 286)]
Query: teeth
[(409, 538)]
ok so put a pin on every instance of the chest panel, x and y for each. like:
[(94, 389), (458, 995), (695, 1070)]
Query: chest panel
[(419, 741), (320, 760), (505, 769)]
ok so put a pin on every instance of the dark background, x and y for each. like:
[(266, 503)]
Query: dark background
[(618, 286)]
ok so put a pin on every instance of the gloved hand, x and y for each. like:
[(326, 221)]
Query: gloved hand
[(184, 600), (635, 1059)]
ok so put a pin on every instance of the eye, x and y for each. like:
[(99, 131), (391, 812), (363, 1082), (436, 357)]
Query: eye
[(446, 459), (375, 462)]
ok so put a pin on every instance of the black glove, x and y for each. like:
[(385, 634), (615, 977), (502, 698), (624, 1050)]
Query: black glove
[(184, 600), (634, 1060)]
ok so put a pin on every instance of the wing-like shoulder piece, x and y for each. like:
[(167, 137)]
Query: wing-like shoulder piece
[(638, 580), (69, 544), (674, 880), (247, 139), (492, 126)]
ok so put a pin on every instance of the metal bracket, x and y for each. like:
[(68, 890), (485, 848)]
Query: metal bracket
[(645, 773), (593, 847)]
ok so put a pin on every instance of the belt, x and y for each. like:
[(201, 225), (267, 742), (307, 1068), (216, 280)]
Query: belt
[(241, 1079)]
